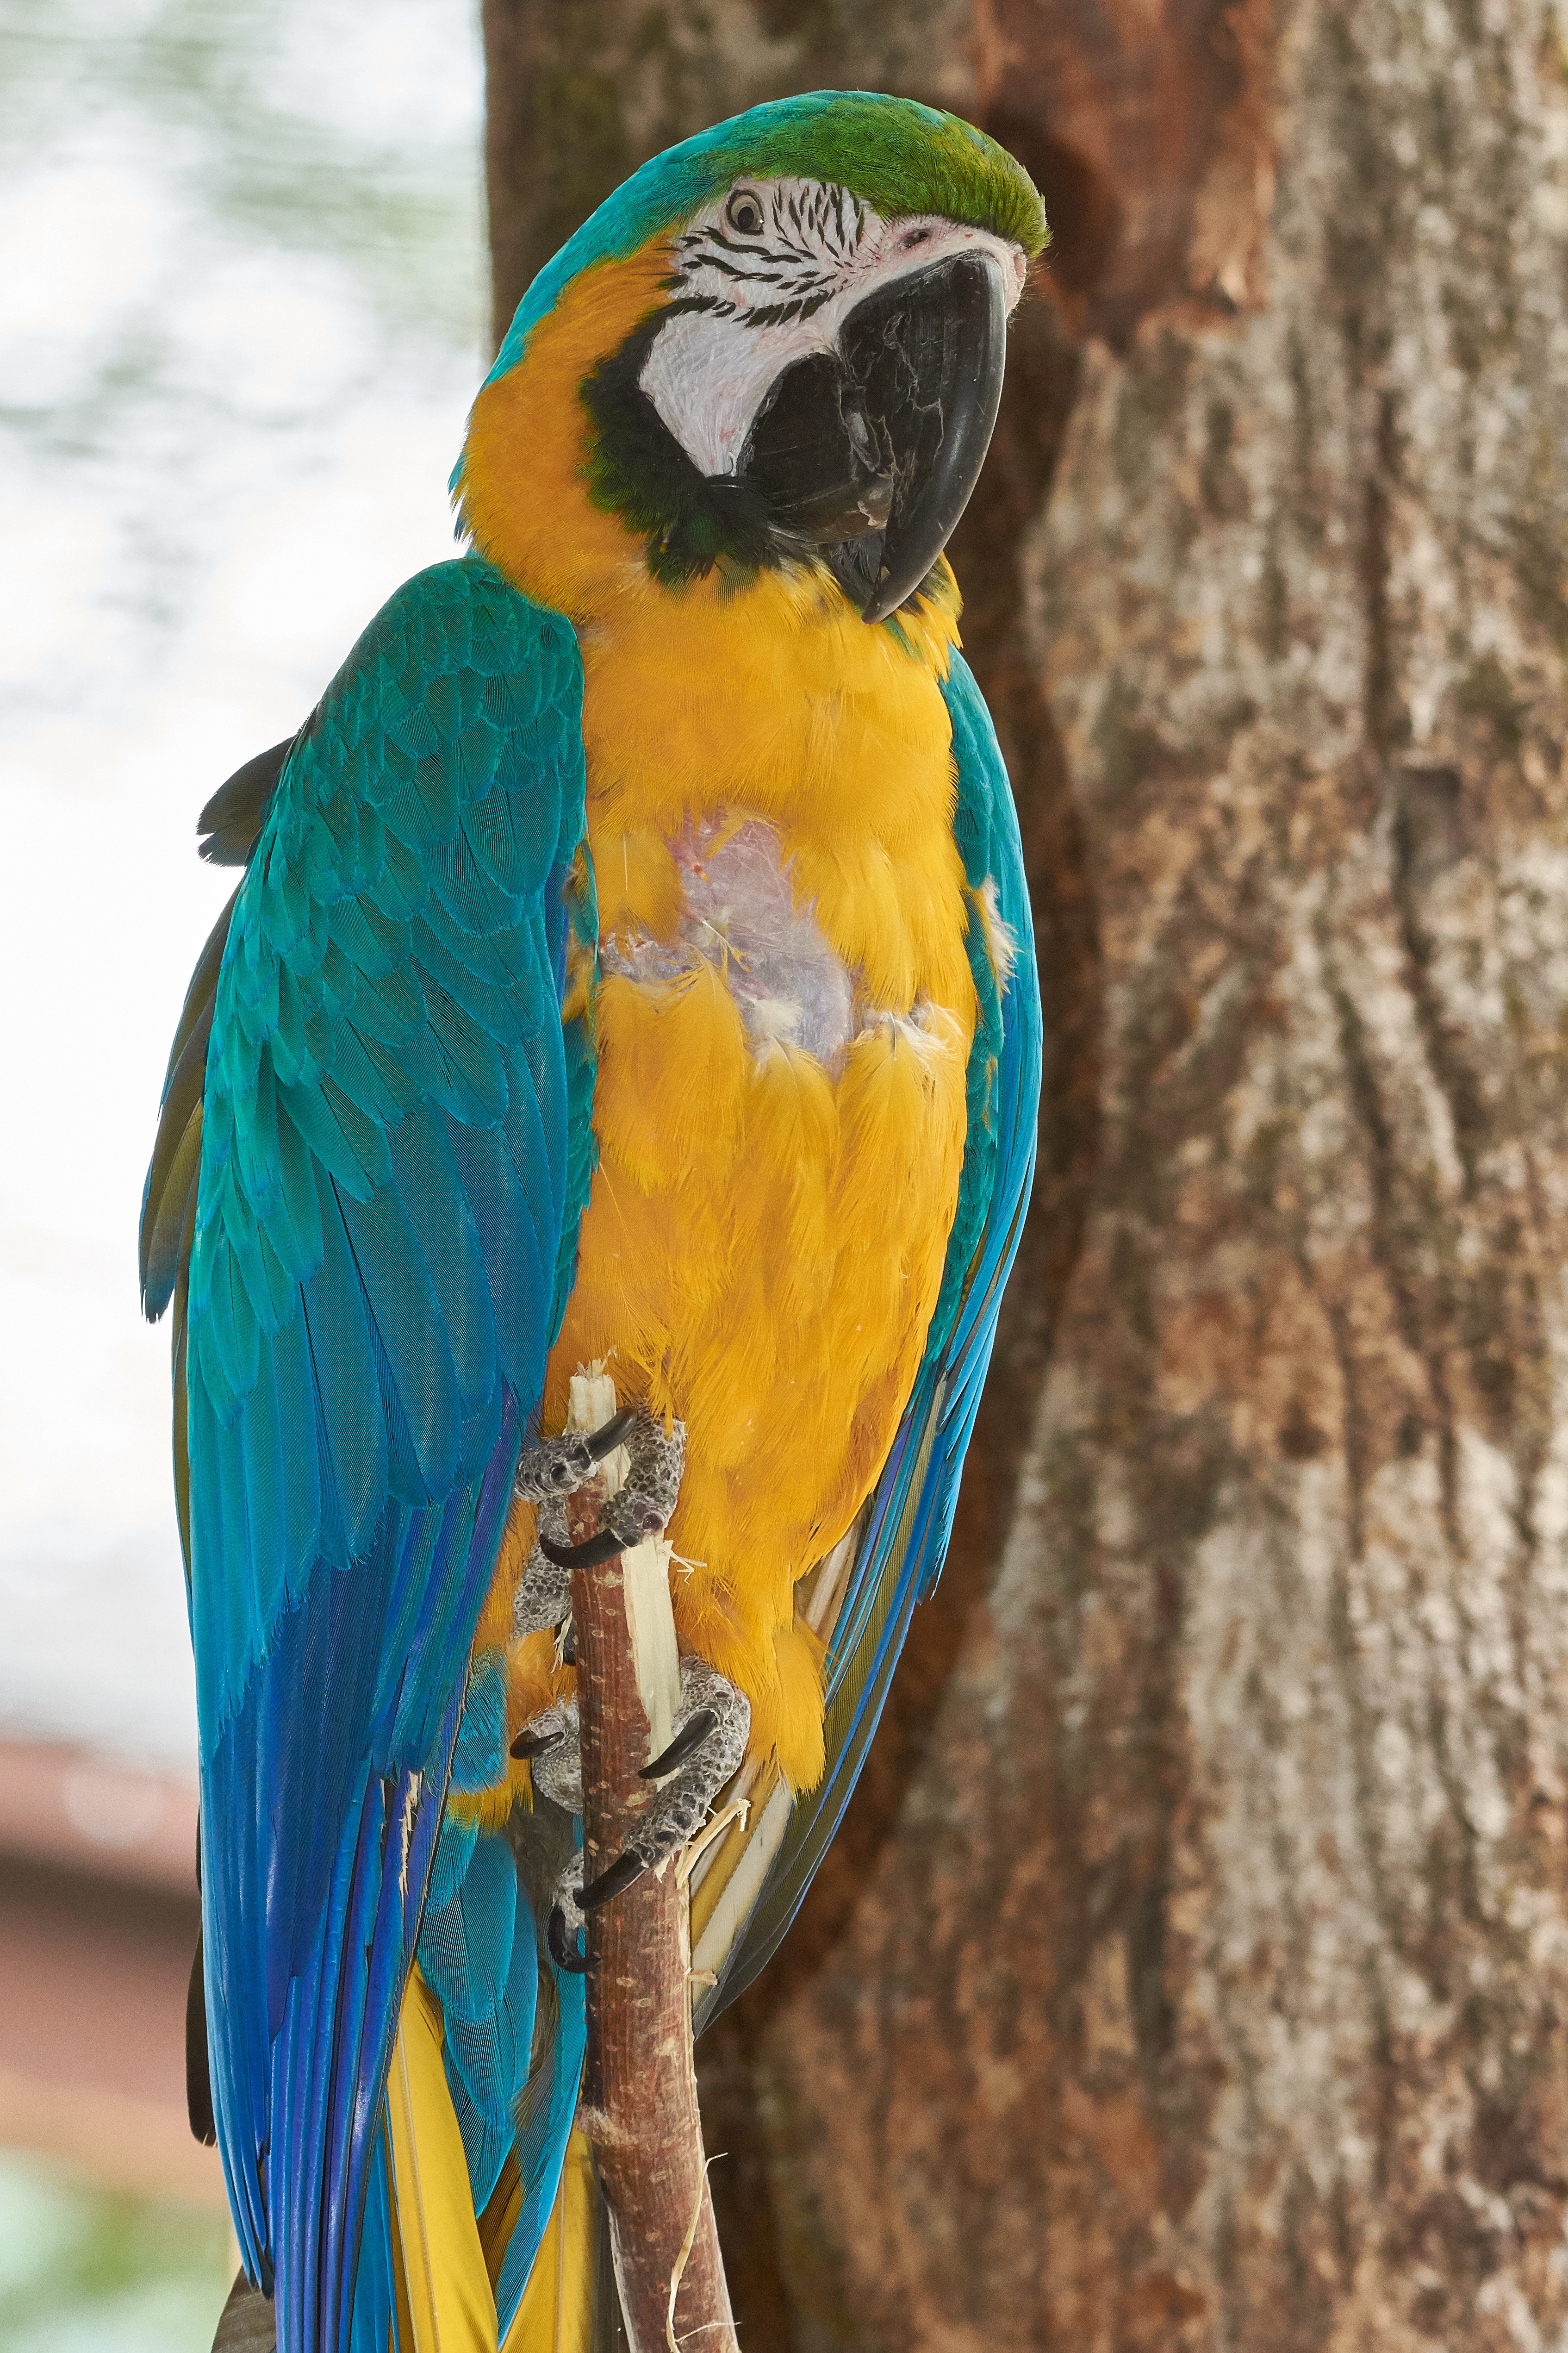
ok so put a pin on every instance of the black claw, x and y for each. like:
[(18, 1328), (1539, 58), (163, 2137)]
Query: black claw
[(562, 1943), (615, 1881), (528, 1745), (592, 1553), (692, 1734), (569, 1647), (614, 1433)]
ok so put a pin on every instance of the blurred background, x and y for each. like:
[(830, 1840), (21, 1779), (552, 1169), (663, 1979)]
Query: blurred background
[(246, 291), (1191, 1971)]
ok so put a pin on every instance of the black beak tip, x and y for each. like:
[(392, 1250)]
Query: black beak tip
[(885, 599)]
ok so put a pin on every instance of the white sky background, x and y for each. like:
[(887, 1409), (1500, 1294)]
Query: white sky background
[(241, 305)]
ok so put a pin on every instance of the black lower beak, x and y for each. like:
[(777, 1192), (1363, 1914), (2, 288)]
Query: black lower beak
[(871, 454)]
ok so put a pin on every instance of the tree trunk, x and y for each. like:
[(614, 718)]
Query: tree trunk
[(1193, 1968)]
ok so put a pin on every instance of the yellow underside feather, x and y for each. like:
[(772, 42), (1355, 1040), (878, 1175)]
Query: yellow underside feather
[(558, 2311), (445, 2297), (446, 2262)]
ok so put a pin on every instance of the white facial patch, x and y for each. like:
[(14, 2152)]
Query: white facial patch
[(752, 301)]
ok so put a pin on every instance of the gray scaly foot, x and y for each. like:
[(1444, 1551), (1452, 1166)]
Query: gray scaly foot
[(713, 1719), (710, 1742), (642, 1508), (552, 1742)]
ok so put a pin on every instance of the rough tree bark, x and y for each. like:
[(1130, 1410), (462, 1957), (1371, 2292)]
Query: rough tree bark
[(1192, 1969)]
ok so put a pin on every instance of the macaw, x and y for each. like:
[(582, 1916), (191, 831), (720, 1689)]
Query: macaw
[(631, 970)]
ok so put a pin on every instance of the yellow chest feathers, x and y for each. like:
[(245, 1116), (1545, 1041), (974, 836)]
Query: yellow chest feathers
[(783, 1017)]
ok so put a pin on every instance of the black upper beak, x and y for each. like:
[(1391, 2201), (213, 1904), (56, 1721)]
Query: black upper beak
[(871, 454)]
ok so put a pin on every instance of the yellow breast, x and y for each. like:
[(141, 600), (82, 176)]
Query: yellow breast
[(783, 1016)]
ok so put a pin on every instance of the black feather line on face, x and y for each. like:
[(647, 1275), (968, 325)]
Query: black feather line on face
[(779, 314), (812, 237), (638, 469), (726, 244), (747, 277)]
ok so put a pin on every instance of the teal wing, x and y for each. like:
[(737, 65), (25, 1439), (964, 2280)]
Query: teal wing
[(908, 1521), (373, 1150)]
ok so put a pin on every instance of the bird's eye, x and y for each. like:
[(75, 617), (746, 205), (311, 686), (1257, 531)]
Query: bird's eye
[(744, 213)]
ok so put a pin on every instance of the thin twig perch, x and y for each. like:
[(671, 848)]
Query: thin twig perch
[(639, 2105)]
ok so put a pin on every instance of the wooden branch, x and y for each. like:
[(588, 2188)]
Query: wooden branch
[(639, 2105)]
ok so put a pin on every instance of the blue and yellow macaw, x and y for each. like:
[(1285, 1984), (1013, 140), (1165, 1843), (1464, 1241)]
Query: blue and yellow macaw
[(632, 967)]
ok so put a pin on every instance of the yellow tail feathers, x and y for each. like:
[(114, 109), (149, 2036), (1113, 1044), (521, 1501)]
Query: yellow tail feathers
[(445, 2261), (445, 2301), (560, 2306)]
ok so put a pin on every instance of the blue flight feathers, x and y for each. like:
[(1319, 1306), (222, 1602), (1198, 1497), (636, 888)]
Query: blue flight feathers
[(387, 1189)]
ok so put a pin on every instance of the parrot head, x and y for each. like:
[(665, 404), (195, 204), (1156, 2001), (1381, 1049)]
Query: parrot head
[(779, 344)]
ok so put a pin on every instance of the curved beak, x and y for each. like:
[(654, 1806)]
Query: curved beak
[(930, 355), (871, 452)]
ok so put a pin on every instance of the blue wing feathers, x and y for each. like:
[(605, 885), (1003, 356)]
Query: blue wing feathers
[(385, 1181), (542, 2143), (477, 1945), (454, 1851), (375, 2300), (478, 1761), (466, 1946)]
